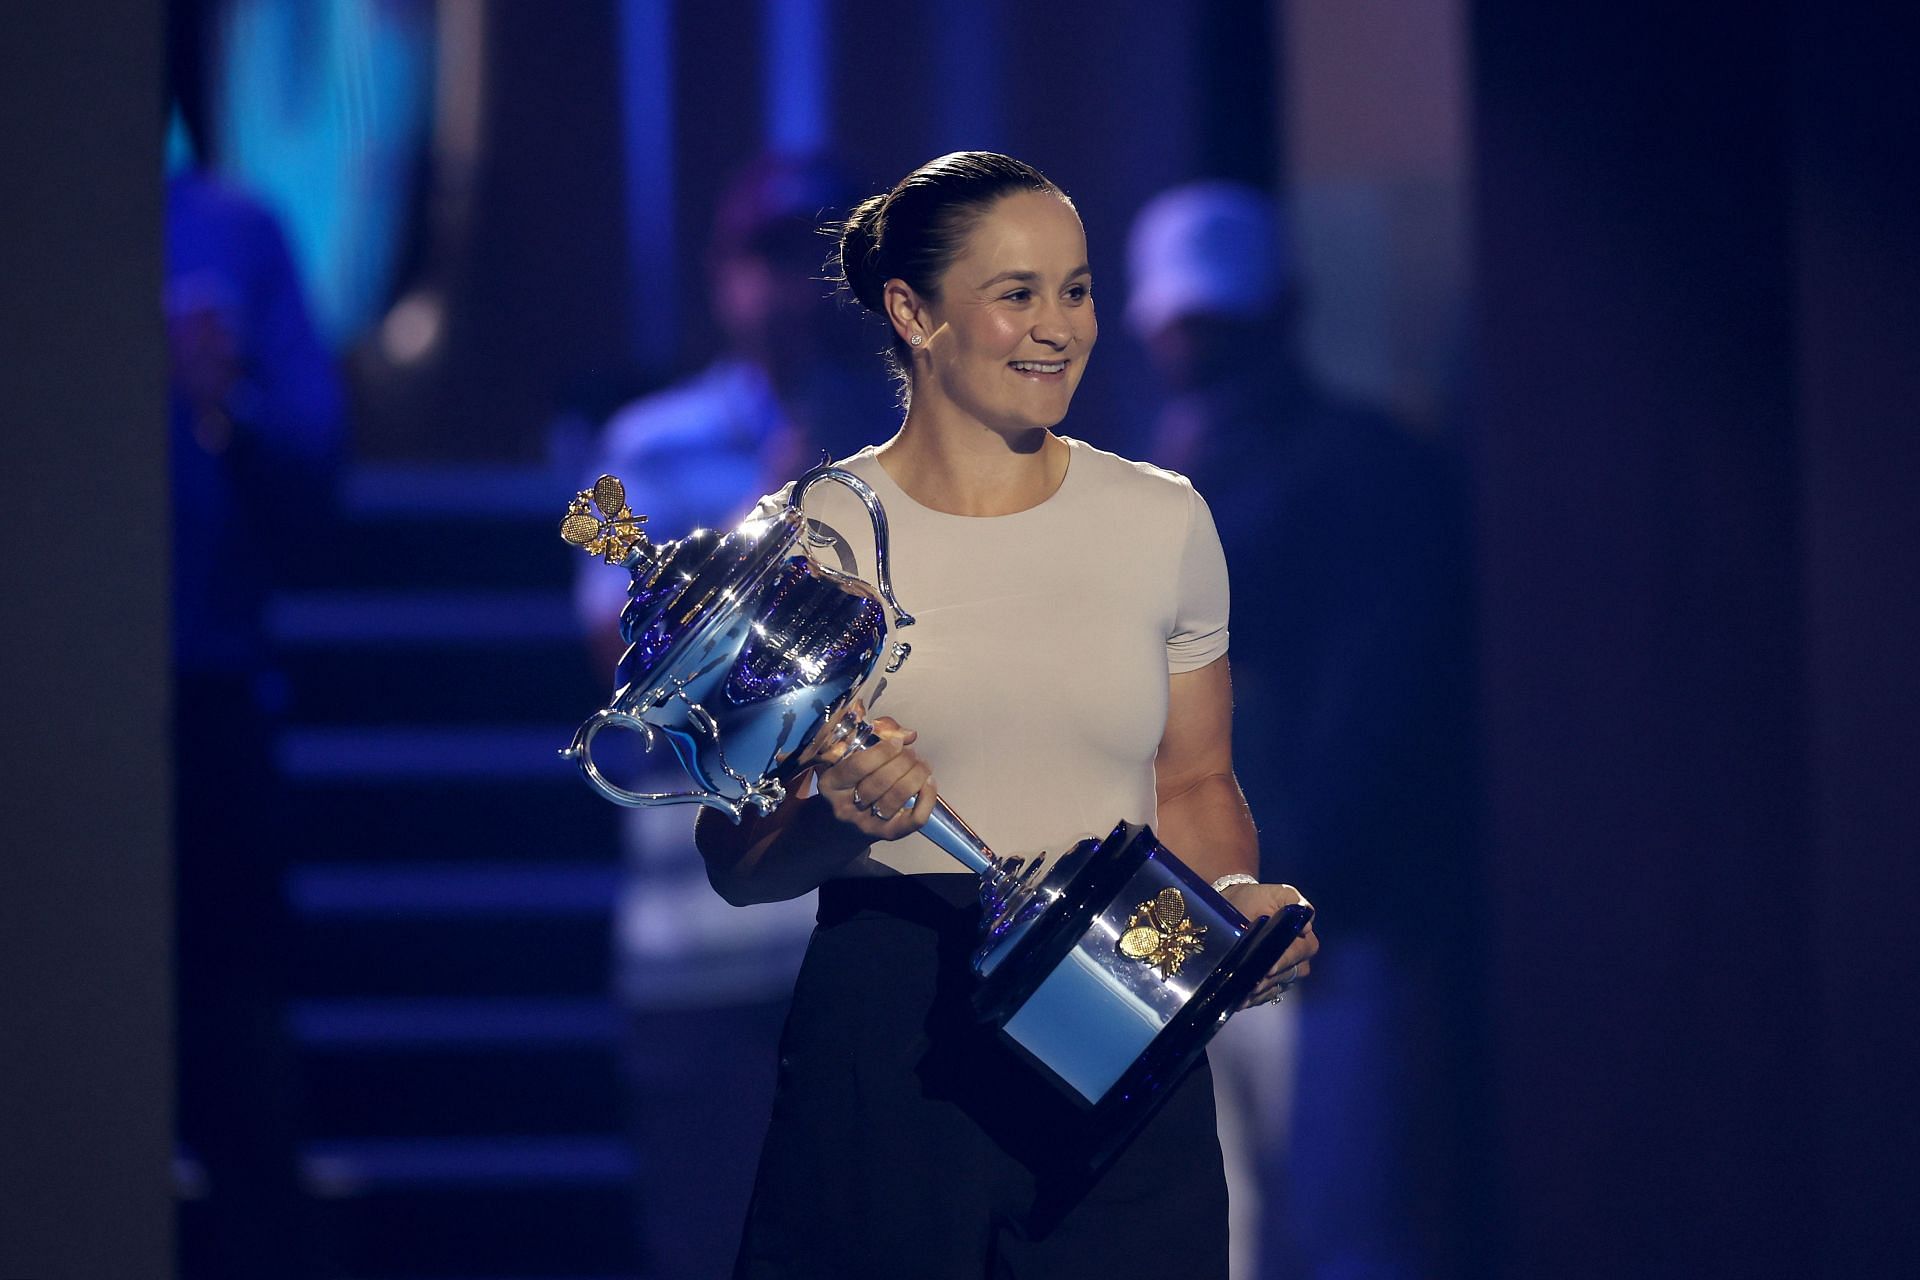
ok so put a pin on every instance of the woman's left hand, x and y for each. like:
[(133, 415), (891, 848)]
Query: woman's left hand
[(1256, 900)]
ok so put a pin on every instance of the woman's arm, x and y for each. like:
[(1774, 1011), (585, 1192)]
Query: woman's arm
[(1203, 815), (833, 811)]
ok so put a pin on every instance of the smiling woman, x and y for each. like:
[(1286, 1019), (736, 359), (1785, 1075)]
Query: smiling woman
[(1068, 671)]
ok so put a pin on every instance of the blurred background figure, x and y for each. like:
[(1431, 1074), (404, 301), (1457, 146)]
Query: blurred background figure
[(706, 984), (257, 430), (1345, 543)]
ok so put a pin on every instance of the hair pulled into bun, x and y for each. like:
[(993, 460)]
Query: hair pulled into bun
[(856, 260), (916, 230)]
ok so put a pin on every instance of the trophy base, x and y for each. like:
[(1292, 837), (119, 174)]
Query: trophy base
[(1113, 970)]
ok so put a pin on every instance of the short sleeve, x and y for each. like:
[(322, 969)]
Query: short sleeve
[(1199, 632), (773, 503)]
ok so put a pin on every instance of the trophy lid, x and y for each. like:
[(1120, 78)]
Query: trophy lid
[(680, 586)]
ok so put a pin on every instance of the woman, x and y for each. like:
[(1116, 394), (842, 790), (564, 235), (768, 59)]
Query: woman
[(1068, 672)]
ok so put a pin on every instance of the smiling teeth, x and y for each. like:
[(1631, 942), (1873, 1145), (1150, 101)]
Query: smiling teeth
[(1041, 366)]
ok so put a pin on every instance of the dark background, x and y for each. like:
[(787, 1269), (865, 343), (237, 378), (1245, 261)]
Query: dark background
[(1695, 463), (1690, 425)]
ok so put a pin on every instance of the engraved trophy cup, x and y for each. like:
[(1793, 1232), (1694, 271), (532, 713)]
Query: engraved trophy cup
[(1109, 967)]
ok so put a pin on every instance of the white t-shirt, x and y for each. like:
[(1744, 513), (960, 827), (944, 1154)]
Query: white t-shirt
[(1042, 645)]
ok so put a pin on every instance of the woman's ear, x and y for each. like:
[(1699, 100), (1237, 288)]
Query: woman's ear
[(905, 312)]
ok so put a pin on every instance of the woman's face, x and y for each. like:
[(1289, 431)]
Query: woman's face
[(1014, 324)]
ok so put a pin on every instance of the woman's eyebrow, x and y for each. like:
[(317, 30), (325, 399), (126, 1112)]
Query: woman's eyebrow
[(1026, 276)]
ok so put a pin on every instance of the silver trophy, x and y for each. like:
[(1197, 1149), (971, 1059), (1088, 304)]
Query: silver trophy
[(1110, 966)]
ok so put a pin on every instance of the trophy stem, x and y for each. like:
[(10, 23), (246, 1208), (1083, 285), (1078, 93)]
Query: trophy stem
[(946, 829)]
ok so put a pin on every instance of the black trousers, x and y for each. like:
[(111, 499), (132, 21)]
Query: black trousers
[(907, 1141)]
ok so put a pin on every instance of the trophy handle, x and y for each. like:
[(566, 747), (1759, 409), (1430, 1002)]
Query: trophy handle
[(878, 514), (762, 799)]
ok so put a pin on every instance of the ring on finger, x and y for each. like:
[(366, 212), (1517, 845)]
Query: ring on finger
[(874, 809), (858, 803)]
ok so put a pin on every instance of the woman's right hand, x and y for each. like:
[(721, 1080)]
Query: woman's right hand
[(884, 789)]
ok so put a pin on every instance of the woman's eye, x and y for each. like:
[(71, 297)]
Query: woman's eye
[(1078, 292), (1019, 295)]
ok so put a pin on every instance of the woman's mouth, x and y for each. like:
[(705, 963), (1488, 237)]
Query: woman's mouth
[(1039, 368)]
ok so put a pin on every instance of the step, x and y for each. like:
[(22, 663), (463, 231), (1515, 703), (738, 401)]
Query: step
[(385, 658), (377, 754), (450, 552), (390, 688), (416, 1025), (451, 527), (345, 1168), (568, 956), (441, 491), (550, 818), (474, 1210), (414, 891), (461, 1092), (372, 621)]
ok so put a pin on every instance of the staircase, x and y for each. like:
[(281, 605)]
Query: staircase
[(452, 882)]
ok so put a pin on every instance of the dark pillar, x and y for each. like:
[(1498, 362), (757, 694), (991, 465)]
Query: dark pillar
[(1644, 663), (84, 904), (1857, 169)]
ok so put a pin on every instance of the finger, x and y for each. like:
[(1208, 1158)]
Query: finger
[(919, 809), (913, 813), (902, 789), (857, 765), (1284, 978), (876, 769), (829, 744), (1278, 979), (1264, 993), (1276, 982), (876, 785), (1301, 949), (857, 739), (882, 730)]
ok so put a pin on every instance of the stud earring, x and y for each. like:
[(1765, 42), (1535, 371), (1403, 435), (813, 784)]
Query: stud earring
[(915, 339)]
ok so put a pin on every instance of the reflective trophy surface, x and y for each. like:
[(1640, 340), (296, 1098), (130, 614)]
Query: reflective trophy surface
[(1109, 967)]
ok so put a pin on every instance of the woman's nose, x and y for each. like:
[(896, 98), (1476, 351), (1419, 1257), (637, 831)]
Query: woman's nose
[(1053, 327)]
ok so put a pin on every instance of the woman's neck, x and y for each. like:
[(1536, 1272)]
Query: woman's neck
[(968, 469)]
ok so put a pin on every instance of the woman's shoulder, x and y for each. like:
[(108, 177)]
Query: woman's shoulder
[(825, 502), (1116, 478), (864, 463)]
